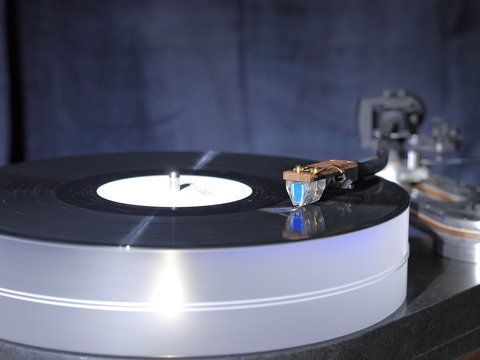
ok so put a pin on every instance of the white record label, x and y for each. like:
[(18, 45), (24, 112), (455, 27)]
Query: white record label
[(156, 191)]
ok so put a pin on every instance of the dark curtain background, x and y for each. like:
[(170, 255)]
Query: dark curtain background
[(271, 76), (4, 92)]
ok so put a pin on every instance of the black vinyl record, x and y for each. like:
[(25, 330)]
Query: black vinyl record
[(57, 201)]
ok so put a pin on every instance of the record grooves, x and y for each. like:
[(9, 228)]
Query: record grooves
[(266, 192)]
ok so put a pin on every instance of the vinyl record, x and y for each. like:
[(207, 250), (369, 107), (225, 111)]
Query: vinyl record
[(57, 200)]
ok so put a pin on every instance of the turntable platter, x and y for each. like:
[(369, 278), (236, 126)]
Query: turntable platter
[(242, 272)]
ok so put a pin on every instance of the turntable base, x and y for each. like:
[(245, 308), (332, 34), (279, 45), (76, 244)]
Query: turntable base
[(442, 301)]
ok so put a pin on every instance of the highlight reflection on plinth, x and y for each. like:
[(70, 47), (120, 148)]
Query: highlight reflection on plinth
[(168, 298)]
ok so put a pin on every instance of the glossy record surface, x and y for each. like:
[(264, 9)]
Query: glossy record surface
[(56, 200)]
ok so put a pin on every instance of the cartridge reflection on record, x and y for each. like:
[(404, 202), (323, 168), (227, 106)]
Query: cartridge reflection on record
[(304, 222)]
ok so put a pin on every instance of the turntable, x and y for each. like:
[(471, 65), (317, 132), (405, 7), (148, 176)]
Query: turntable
[(161, 255), (203, 262)]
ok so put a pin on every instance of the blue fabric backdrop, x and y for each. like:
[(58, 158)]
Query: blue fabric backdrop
[(4, 93), (272, 76)]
